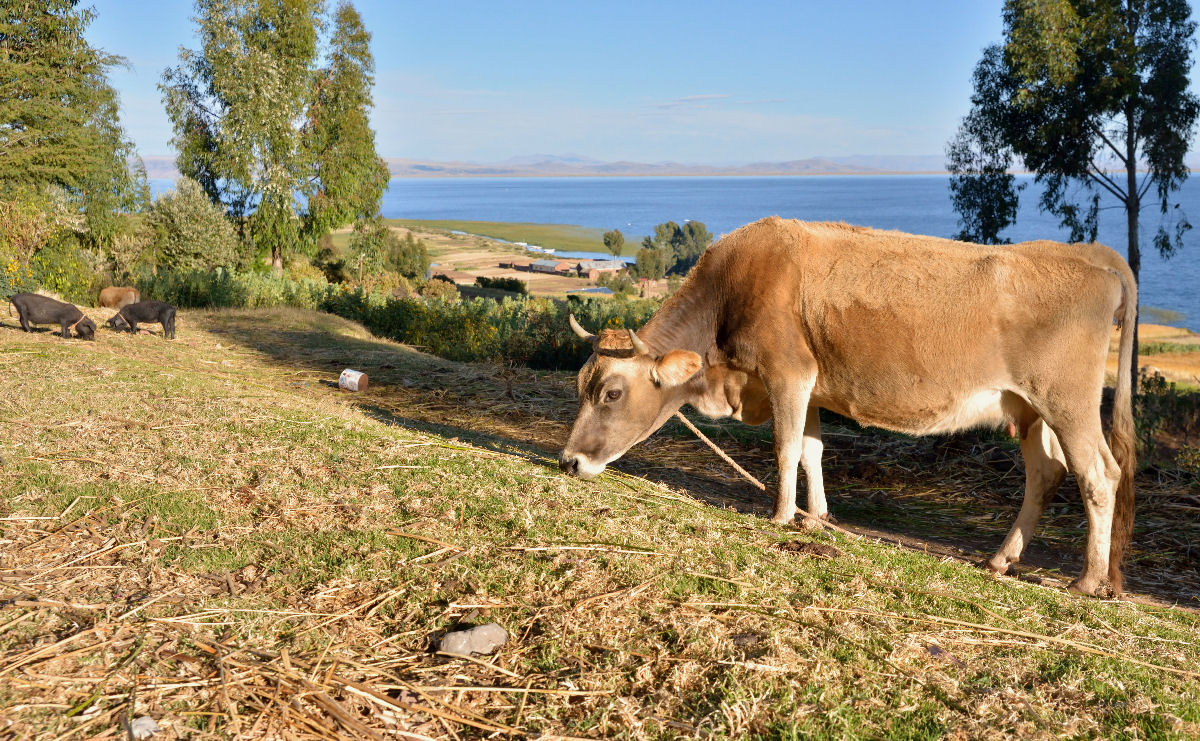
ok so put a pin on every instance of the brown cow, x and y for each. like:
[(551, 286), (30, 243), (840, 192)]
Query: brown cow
[(118, 297), (915, 334)]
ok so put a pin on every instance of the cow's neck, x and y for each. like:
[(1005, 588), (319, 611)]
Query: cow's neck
[(685, 322)]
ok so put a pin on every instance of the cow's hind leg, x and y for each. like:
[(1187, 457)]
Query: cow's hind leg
[(1089, 458), (1045, 467)]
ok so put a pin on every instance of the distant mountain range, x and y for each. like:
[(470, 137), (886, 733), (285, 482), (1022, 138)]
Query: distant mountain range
[(547, 165)]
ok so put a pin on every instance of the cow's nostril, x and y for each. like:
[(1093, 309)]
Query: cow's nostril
[(569, 465)]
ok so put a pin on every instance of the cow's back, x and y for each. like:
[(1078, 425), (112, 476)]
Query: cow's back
[(118, 297), (907, 329)]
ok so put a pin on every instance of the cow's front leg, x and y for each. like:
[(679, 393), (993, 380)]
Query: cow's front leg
[(790, 406), (810, 458)]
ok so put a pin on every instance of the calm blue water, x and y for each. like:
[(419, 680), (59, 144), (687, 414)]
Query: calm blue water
[(913, 203)]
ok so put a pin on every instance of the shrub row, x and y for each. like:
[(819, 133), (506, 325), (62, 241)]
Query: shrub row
[(197, 289), (532, 332)]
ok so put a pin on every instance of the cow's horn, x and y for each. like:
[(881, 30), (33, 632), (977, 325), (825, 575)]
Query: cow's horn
[(639, 347), (583, 333)]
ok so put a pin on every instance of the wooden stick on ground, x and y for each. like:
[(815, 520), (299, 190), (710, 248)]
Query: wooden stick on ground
[(808, 517)]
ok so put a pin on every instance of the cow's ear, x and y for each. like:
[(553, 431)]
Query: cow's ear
[(677, 367)]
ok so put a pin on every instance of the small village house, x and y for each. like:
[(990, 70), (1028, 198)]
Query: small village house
[(554, 267), (593, 269)]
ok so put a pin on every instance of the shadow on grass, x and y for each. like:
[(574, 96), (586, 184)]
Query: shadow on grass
[(954, 496)]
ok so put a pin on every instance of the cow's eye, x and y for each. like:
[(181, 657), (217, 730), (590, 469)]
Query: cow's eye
[(613, 395)]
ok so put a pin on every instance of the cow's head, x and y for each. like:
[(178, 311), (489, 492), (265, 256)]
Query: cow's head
[(626, 392)]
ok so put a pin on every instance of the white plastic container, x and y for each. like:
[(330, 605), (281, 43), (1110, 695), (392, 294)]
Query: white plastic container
[(353, 380)]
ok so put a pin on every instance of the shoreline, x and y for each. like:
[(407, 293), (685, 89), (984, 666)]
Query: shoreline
[(637, 174)]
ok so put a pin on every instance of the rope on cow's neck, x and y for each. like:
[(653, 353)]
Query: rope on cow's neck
[(76, 324), (749, 477)]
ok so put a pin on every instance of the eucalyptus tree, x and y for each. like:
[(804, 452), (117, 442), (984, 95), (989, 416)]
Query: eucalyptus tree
[(1092, 96), (983, 190), (345, 177), (260, 124)]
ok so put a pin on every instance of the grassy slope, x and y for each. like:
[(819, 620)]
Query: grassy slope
[(207, 532), (562, 237)]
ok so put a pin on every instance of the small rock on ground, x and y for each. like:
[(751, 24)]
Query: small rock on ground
[(143, 727), (482, 639)]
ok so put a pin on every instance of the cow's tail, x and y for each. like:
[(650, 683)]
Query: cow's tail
[(1123, 440)]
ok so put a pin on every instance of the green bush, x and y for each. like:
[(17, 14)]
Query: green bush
[(516, 285), (63, 268), (408, 257), (440, 288), (223, 288), (190, 232), (17, 277), (533, 332)]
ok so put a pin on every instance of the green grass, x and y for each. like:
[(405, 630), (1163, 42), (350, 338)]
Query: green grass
[(249, 510), (562, 237), (1161, 348)]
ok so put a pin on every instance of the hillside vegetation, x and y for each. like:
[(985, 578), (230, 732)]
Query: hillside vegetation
[(209, 532), (561, 237)]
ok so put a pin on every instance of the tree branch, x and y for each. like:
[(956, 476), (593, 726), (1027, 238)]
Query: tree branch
[(1106, 182), (1098, 131), (1145, 186)]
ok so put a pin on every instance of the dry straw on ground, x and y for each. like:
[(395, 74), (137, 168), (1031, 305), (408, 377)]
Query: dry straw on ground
[(209, 533)]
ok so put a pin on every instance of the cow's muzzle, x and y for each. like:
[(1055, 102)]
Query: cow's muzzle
[(577, 465), (568, 464)]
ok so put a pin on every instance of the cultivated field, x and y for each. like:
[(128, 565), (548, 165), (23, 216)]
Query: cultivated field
[(208, 532)]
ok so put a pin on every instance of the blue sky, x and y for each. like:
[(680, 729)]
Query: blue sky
[(694, 82)]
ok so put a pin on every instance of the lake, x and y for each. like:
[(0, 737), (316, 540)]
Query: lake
[(912, 203)]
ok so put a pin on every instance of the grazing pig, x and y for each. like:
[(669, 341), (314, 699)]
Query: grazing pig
[(145, 311), (33, 308), (118, 297)]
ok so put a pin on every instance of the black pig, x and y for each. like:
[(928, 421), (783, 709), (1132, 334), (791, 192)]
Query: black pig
[(145, 311), (33, 308)]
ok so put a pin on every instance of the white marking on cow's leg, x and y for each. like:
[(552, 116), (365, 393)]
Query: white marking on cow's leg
[(1045, 467), (1096, 471), (791, 411), (810, 458)]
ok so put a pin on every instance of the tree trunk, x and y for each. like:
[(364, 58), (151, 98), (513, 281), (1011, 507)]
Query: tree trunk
[(277, 261), (1133, 207)]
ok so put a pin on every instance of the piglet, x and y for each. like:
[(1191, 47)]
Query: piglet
[(33, 308), (145, 311)]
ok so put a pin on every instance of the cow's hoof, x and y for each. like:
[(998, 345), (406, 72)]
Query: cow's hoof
[(998, 565), (1091, 588), (782, 519)]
